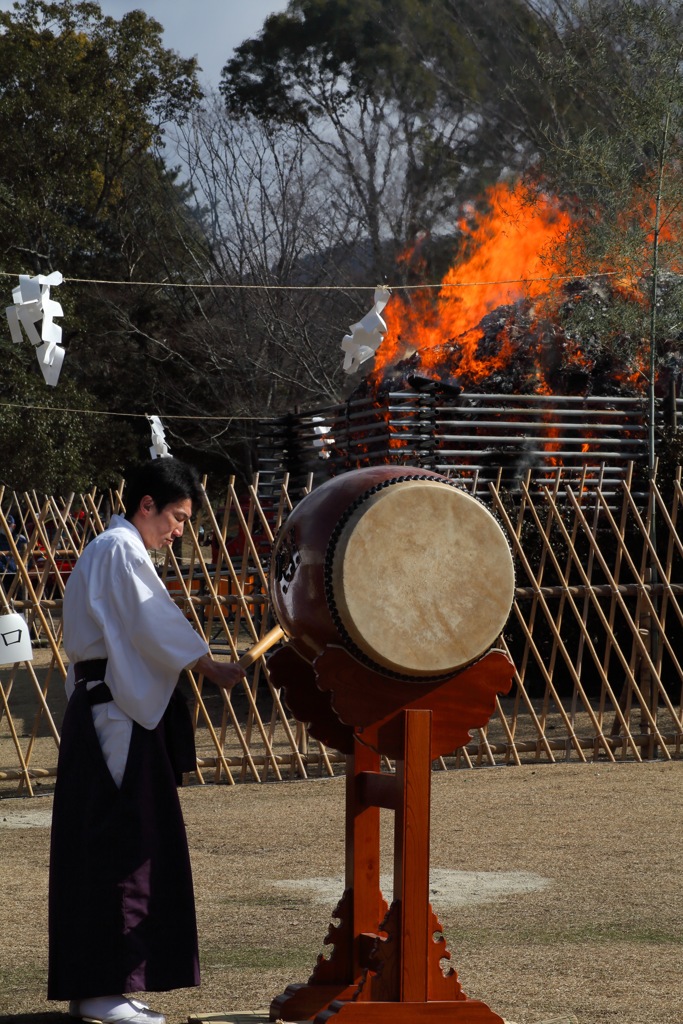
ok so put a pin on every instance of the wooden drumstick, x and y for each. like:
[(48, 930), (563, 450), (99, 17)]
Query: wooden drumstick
[(259, 648)]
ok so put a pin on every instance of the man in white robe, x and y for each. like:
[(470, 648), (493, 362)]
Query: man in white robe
[(121, 901)]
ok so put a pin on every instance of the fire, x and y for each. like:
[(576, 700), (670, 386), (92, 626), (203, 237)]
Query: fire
[(513, 243), (521, 313)]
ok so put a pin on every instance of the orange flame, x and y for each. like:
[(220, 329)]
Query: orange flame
[(512, 243)]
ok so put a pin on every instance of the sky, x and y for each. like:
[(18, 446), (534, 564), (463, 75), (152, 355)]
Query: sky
[(206, 29)]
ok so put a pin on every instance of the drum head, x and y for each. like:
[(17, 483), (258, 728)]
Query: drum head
[(422, 578)]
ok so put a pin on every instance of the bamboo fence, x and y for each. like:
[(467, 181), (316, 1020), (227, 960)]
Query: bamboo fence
[(595, 629)]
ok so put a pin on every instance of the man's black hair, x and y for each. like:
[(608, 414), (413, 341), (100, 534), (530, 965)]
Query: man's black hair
[(165, 480)]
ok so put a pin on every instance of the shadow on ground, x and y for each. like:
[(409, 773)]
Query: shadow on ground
[(35, 1018)]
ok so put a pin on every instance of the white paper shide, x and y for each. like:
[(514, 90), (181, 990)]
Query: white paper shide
[(32, 306), (367, 335), (159, 448)]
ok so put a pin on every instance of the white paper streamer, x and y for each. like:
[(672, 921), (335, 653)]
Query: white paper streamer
[(367, 335), (32, 303), (322, 440), (159, 449)]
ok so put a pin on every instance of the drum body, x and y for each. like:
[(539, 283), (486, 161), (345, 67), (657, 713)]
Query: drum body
[(412, 575)]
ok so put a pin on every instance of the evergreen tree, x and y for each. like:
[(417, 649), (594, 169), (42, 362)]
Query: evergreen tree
[(84, 104), (614, 150)]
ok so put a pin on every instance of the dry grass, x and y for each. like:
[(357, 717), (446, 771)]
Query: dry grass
[(603, 940)]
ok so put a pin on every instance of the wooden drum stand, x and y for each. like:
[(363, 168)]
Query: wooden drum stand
[(386, 962)]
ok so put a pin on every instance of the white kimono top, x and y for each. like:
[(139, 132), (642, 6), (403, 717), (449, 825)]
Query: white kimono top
[(117, 607)]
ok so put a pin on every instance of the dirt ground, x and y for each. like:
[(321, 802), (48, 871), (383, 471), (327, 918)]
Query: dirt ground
[(558, 886)]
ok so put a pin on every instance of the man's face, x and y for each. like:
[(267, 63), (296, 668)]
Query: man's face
[(159, 528)]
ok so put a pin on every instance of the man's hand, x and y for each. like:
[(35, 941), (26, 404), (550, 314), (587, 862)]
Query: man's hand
[(225, 674)]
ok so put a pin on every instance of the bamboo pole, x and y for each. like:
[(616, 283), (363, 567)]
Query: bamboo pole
[(593, 593)]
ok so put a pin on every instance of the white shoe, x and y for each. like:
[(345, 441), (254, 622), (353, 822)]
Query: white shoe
[(114, 1010)]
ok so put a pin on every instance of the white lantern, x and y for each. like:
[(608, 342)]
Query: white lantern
[(15, 642)]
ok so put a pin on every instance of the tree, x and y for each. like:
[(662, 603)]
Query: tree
[(47, 449), (82, 99), (339, 74), (615, 148), (84, 104), (408, 99), (279, 292)]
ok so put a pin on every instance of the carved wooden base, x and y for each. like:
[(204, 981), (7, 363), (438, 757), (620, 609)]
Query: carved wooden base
[(375, 993), (300, 1007), (470, 1011), (306, 1002)]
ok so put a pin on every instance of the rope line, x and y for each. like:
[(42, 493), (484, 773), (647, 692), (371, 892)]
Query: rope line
[(328, 287), (137, 415)]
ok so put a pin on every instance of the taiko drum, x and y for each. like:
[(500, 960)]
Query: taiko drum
[(406, 570)]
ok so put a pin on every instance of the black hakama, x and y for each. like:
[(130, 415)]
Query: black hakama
[(121, 903)]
